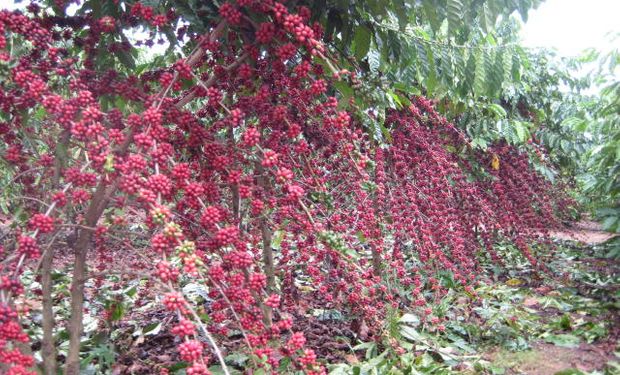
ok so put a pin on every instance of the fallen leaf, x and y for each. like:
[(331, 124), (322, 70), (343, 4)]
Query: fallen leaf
[(514, 282), (495, 162)]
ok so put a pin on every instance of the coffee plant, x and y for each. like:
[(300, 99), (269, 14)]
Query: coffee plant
[(237, 164)]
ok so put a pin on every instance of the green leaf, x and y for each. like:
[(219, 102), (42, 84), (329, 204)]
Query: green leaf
[(420, 48), (237, 359), (178, 366), (361, 41), (570, 371), (565, 322), (521, 131), (575, 123), (516, 67), (374, 60), (410, 333), (125, 58), (152, 329), (447, 66), (410, 319), (507, 64), (497, 110), (610, 223), (131, 291), (277, 238), (284, 364), (117, 312), (487, 18), (480, 74), (455, 14), (344, 89), (430, 10), (524, 6), (564, 340)]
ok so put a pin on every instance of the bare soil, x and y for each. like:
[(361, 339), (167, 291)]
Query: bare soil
[(549, 359), (586, 231)]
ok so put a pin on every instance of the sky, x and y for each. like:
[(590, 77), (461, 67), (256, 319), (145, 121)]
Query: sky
[(571, 26)]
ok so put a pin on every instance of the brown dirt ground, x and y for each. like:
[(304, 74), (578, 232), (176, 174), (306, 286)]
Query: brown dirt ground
[(548, 359), (586, 231)]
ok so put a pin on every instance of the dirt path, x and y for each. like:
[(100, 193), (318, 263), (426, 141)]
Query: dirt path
[(549, 359), (586, 295), (586, 231)]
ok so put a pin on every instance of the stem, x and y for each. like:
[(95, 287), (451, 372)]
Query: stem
[(76, 325), (236, 200), (268, 262), (48, 345)]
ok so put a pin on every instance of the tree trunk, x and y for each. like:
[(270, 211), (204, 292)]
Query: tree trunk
[(268, 262), (48, 345), (76, 324)]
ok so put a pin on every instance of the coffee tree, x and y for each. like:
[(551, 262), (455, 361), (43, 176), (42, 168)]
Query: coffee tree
[(241, 167)]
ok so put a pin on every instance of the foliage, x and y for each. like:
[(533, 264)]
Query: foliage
[(252, 168), (582, 131), (602, 169), (513, 318)]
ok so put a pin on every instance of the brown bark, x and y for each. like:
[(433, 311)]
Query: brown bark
[(48, 345), (376, 262), (268, 261), (236, 200), (76, 324)]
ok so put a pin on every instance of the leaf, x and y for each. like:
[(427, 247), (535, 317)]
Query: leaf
[(178, 366), (277, 238), (565, 322), (514, 281), (218, 370), (521, 131), (344, 89), (374, 60), (516, 67), (422, 57), (487, 18), (410, 333), (117, 312), (564, 340), (524, 6), (447, 66), (570, 371), (480, 73), (409, 319), (131, 291), (237, 359), (152, 329), (195, 289), (610, 223), (495, 165), (455, 14), (498, 110), (371, 349), (575, 123), (507, 64), (495, 73), (125, 58), (361, 42), (430, 10)]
